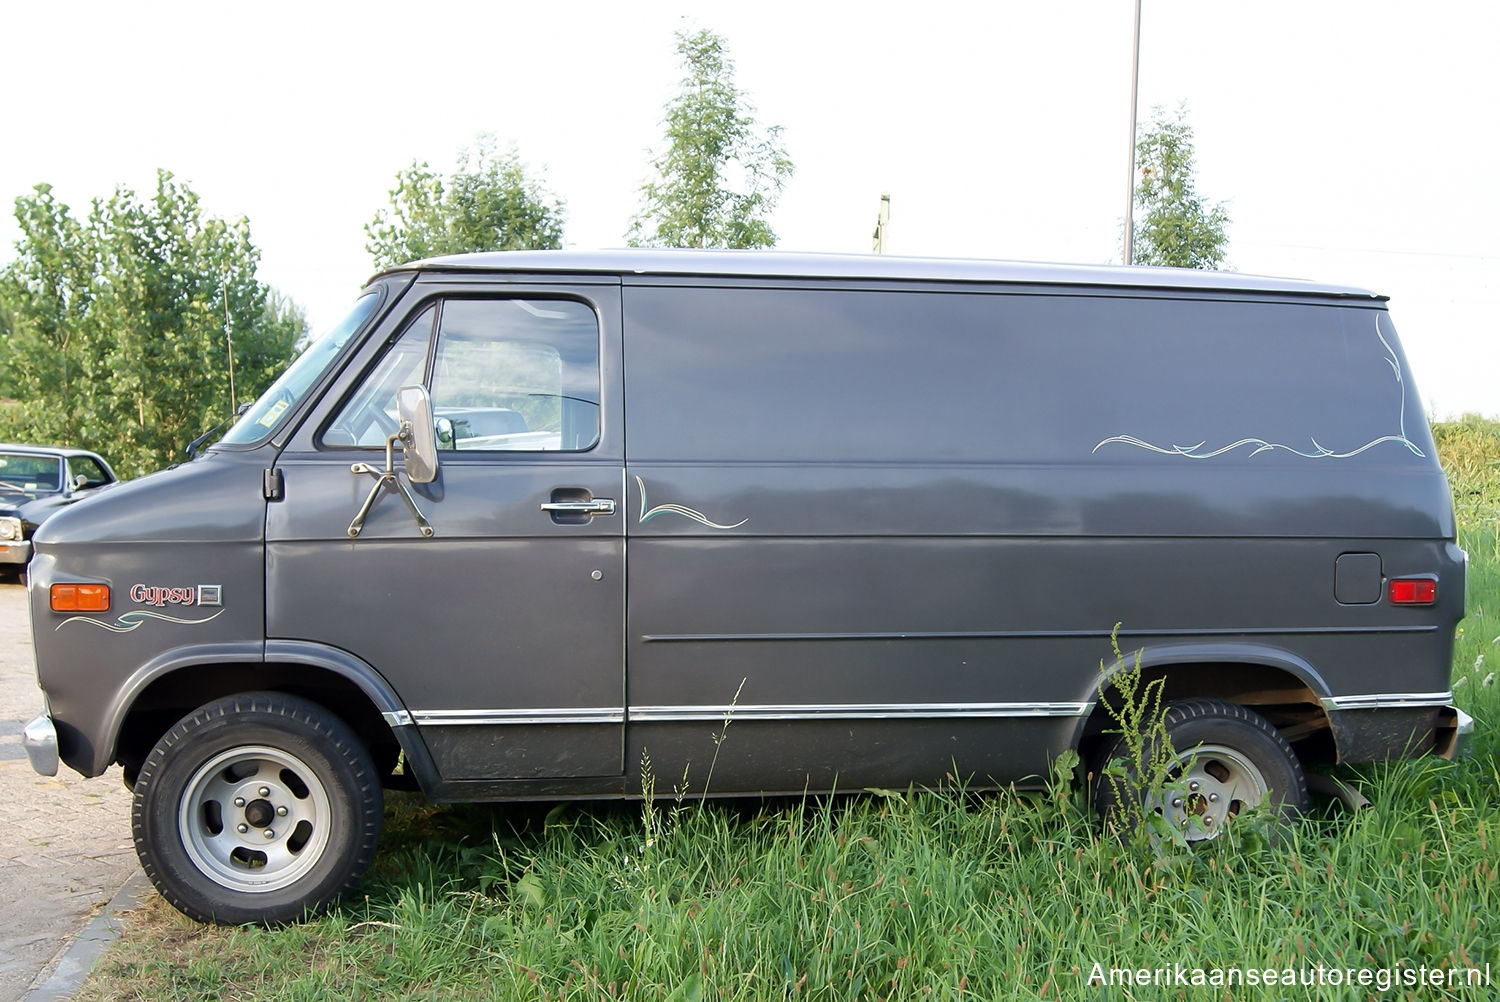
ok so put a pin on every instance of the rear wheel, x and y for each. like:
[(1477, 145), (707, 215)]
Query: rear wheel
[(1227, 760), (256, 808)]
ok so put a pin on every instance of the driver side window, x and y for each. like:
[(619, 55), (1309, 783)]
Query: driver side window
[(516, 375), (507, 375)]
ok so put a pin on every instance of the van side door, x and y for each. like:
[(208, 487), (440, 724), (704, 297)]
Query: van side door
[(502, 631)]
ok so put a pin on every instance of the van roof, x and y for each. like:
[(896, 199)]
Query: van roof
[(869, 267)]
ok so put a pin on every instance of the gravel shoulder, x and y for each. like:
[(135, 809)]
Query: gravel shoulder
[(65, 845)]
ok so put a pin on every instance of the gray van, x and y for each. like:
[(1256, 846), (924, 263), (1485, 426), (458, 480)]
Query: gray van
[(881, 514)]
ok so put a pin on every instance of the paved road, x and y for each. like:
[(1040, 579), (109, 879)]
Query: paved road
[(64, 842)]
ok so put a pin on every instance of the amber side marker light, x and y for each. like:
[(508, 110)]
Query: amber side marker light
[(1413, 591), (80, 598)]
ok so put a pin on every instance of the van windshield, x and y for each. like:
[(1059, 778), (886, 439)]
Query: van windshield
[(283, 396)]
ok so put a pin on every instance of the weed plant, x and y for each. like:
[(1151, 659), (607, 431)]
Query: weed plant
[(1141, 773)]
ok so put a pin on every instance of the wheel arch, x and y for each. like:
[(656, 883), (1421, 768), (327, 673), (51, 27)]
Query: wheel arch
[(1279, 685), (179, 681)]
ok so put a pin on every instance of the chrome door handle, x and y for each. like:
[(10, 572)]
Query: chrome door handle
[(598, 506)]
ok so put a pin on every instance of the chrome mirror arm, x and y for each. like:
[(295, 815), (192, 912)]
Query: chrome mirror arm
[(387, 479)]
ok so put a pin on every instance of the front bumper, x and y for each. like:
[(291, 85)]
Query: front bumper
[(40, 741), (15, 552)]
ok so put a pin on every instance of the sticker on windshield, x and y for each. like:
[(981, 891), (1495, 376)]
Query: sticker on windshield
[(274, 414)]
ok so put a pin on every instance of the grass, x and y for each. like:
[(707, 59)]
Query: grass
[(942, 895)]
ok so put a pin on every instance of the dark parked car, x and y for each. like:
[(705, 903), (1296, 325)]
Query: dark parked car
[(36, 481)]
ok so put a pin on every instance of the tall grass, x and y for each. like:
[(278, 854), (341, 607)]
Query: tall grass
[(1470, 451), (880, 897), (944, 895)]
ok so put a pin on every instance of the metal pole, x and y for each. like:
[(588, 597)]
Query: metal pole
[(882, 223), (1135, 80), (234, 403)]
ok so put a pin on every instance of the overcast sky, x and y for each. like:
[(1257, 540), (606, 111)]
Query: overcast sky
[(1353, 142)]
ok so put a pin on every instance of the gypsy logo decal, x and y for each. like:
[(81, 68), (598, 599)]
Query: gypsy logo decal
[(160, 597)]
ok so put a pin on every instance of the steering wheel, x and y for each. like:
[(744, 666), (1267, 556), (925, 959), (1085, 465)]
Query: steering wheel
[(353, 429)]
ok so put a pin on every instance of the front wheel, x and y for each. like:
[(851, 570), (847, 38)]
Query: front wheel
[(256, 808), (1226, 760)]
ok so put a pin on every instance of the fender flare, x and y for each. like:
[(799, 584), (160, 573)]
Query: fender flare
[(158, 667), (289, 652), (1209, 652), (376, 689)]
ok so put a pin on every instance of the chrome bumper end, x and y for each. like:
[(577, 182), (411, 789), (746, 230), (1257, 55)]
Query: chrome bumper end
[(15, 551), (1453, 730), (40, 741)]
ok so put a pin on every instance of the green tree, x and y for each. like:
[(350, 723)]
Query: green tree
[(121, 326), (1174, 226), (721, 175), (490, 203)]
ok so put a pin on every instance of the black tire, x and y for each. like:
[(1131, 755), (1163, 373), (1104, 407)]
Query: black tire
[(1230, 758), (256, 808)]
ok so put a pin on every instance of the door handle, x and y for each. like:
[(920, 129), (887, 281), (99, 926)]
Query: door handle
[(598, 506)]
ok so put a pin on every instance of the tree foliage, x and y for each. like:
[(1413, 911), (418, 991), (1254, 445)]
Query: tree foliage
[(1174, 226), (721, 175), (490, 203), (118, 327)]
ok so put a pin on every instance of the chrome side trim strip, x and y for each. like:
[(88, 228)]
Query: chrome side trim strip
[(1387, 700), (549, 715), (397, 718), (718, 712), (855, 711), (1254, 631)]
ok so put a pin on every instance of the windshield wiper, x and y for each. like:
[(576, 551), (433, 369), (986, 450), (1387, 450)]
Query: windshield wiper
[(195, 444), (192, 447)]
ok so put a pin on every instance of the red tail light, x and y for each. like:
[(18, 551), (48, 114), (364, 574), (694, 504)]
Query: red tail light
[(1413, 591)]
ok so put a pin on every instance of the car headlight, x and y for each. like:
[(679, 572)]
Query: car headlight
[(10, 528)]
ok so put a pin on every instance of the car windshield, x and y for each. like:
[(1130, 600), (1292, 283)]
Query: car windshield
[(267, 412), (22, 473)]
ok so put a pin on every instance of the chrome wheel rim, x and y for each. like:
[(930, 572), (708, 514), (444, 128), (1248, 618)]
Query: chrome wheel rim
[(1213, 784), (255, 819)]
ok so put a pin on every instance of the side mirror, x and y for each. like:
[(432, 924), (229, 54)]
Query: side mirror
[(418, 440)]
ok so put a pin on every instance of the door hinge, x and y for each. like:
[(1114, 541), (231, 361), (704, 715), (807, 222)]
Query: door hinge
[(274, 485)]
